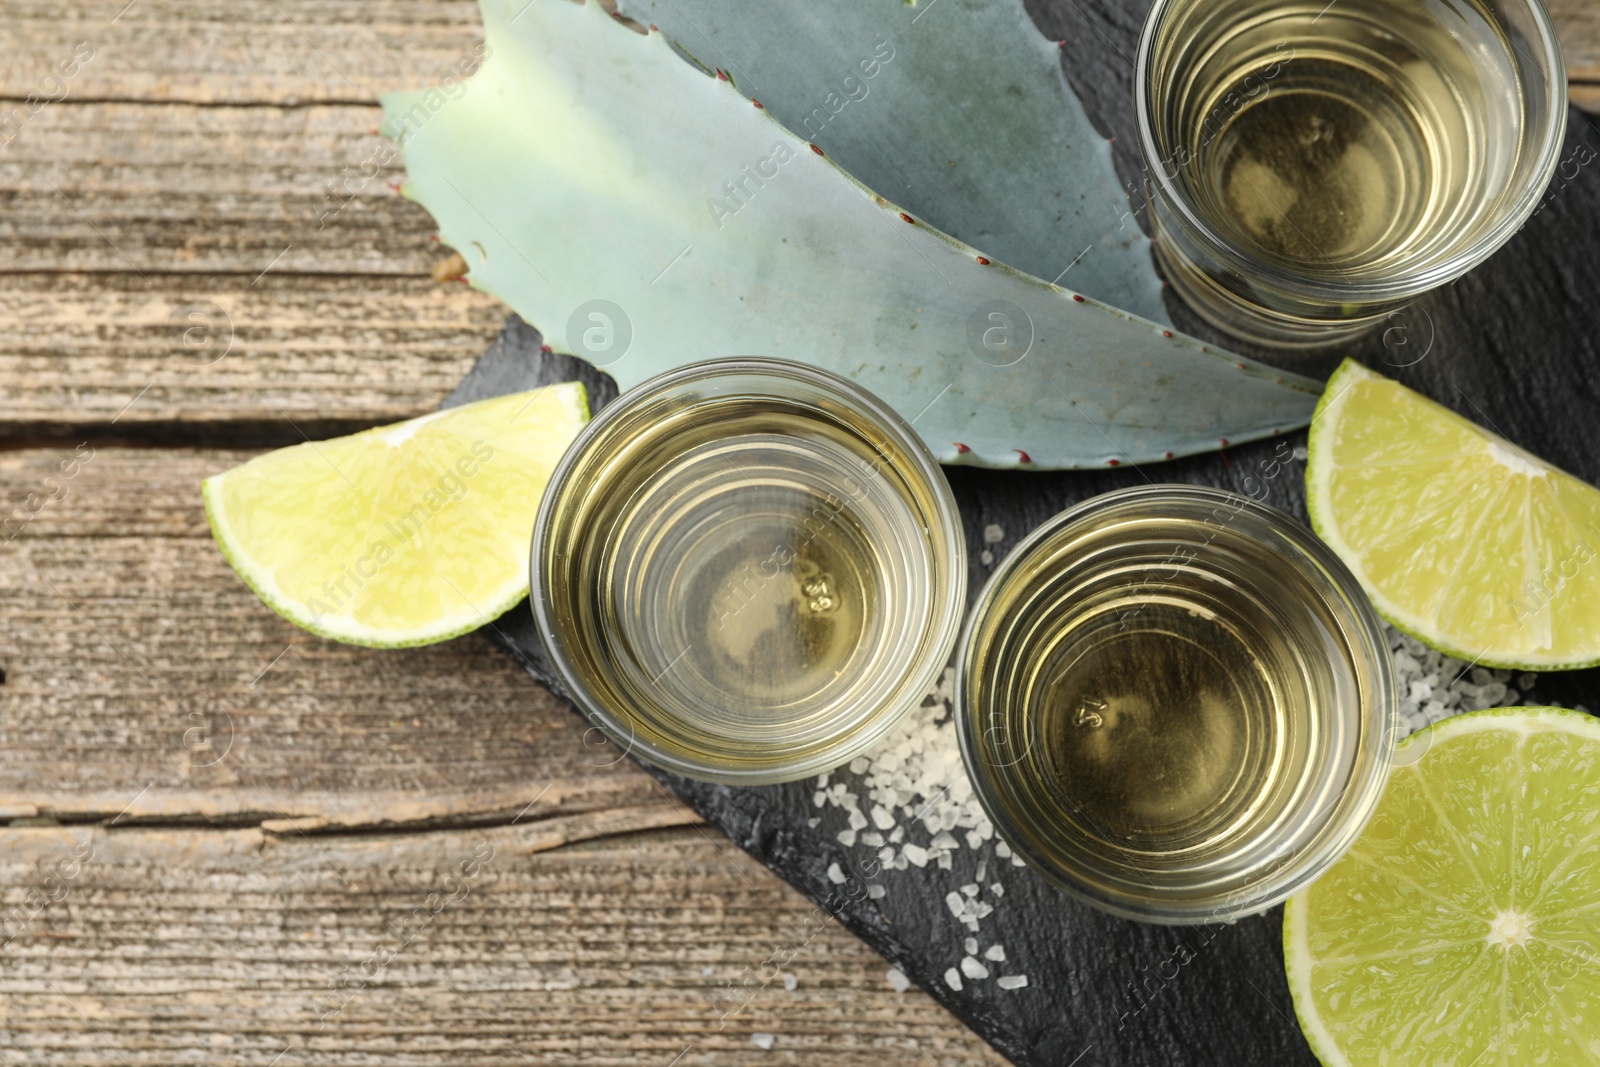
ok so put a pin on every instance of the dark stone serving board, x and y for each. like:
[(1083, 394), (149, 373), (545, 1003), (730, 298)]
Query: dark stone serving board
[(1511, 346)]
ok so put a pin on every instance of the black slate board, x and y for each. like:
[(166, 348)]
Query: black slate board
[(1511, 346)]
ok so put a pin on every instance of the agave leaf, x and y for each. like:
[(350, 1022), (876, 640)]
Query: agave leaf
[(644, 216), (956, 110)]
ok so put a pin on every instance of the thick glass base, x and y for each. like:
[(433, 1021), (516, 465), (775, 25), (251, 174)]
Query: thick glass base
[(1239, 317)]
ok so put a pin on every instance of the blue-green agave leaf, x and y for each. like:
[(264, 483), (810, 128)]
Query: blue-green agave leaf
[(644, 216), (957, 110)]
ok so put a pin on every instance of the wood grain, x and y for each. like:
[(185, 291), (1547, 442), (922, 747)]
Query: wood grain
[(148, 188), (1578, 25), (249, 52), (212, 358), (499, 946), (137, 663), (194, 257)]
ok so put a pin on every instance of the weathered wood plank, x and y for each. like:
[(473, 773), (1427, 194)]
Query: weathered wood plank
[(221, 357), (1578, 24), (212, 275), (246, 52), (139, 668), (153, 188), (486, 947), (194, 234)]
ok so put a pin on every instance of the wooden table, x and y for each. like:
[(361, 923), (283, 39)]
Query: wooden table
[(230, 842)]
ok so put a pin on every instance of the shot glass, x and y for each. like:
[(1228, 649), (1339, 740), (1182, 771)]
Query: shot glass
[(746, 570), (1313, 166), (1176, 704)]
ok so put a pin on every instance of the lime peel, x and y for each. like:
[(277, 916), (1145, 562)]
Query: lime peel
[(1461, 539), (399, 535)]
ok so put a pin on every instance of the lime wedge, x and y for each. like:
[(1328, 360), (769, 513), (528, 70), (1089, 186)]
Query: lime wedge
[(398, 535), (1463, 926), (1461, 539)]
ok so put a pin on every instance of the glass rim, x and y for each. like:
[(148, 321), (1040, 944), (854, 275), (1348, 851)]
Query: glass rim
[(948, 610), (1551, 139), (1340, 823)]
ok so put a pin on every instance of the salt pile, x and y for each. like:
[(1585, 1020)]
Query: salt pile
[(1433, 686), (908, 803)]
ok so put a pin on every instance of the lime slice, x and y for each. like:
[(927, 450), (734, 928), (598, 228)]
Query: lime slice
[(1461, 539), (1463, 926), (403, 534)]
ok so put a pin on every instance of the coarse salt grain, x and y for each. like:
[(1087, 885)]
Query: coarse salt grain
[(897, 980), (1434, 686), (952, 978), (763, 1041), (1012, 981), (972, 968)]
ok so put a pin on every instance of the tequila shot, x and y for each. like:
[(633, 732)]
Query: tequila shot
[(1313, 166), (746, 570), (1176, 704)]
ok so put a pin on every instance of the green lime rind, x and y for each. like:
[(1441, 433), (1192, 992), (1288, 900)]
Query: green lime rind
[(1318, 443), (1298, 962), (574, 401)]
